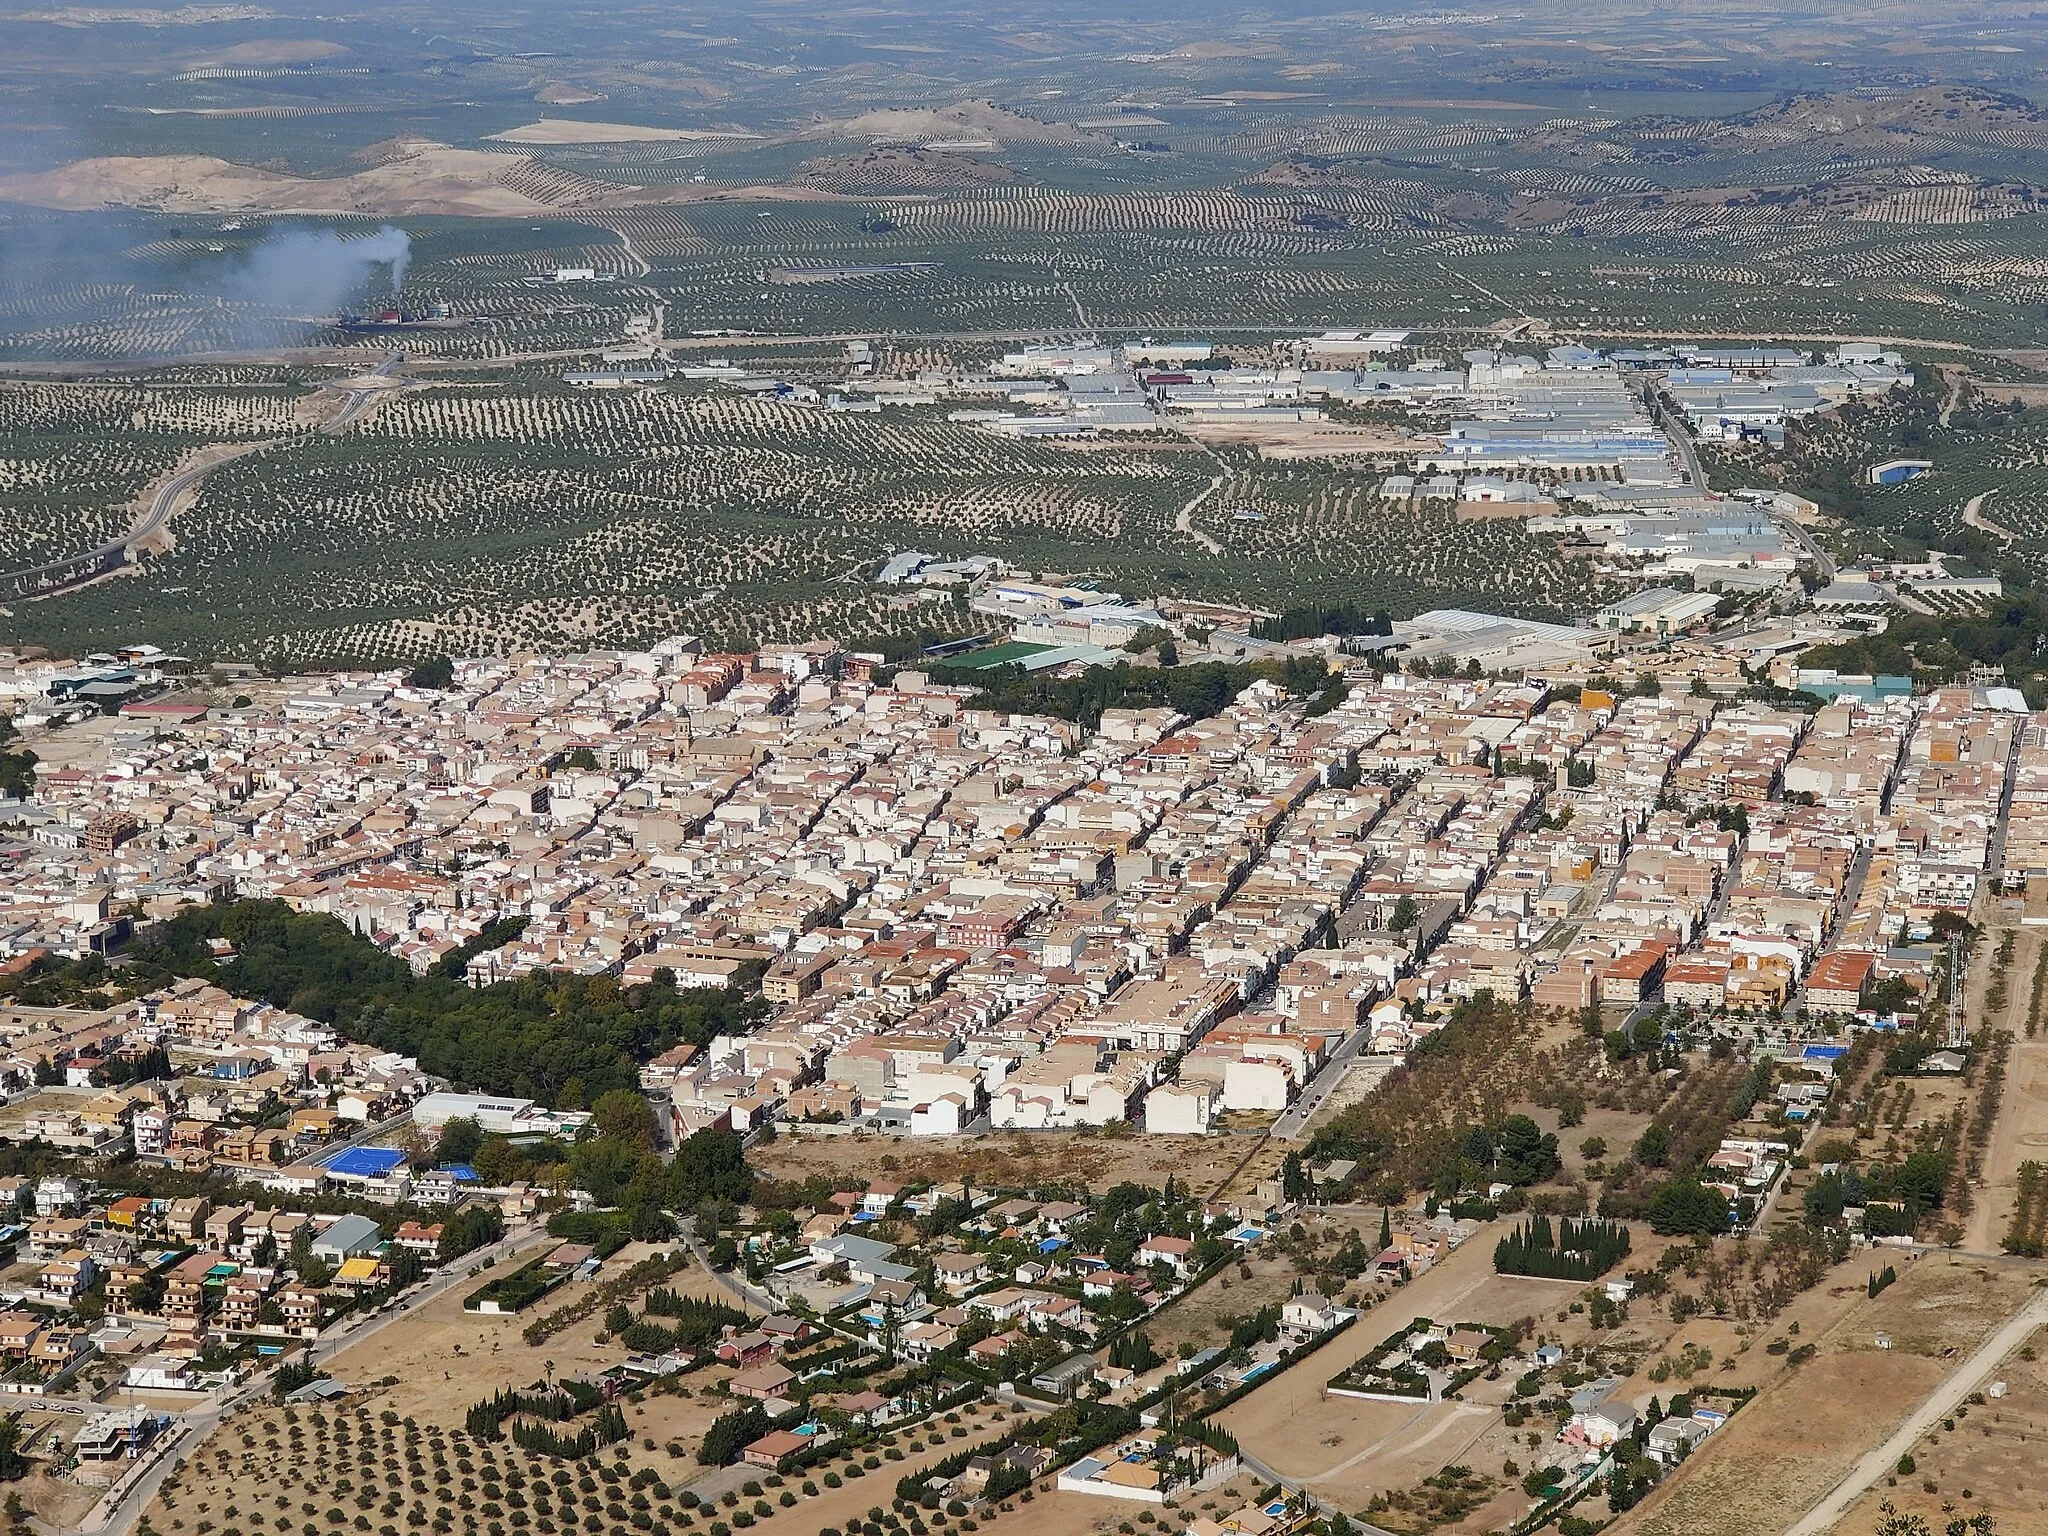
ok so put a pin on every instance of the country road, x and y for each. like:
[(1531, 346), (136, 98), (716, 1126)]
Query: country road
[(1938, 1405), (177, 492), (57, 371), (1973, 516), (117, 1512)]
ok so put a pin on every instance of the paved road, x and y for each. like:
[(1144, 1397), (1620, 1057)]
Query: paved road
[(61, 371), (1852, 892), (729, 1281), (356, 403), (1995, 855), (164, 503), (1942, 1402), (1291, 1125), (117, 1513), (1680, 438), (1794, 531), (159, 511), (1267, 1474)]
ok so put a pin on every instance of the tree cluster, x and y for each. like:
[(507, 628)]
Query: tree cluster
[(564, 1040), (1576, 1250)]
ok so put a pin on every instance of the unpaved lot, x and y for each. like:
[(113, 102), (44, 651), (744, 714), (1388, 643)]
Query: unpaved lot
[(1010, 1160), (1991, 1460), (1080, 1514), (1336, 1444), (1810, 1423)]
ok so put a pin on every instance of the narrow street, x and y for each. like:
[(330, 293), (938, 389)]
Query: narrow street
[(1291, 1125)]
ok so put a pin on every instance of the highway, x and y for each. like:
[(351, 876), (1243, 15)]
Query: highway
[(158, 513), (356, 403), (164, 502)]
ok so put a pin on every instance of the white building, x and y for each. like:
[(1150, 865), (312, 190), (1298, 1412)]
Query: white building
[(1181, 1109)]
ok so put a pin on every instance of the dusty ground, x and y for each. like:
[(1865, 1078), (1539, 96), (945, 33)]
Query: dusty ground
[(564, 130), (1990, 1461), (2021, 1135), (1359, 1448), (1079, 1514), (446, 1358), (426, 178), (1298, 439), (1353, 1449), (58, 1501), (1811, 1422), (2021, 1132), (1013, 1160)]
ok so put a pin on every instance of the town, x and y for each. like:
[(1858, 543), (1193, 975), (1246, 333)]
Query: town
[(673, 979)]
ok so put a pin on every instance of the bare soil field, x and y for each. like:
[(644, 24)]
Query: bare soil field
[(565, 130), (1342, 1458), (60, 1503), (445, 1358), (1362, 1448), (2020, 1136), (426, 178), (1297, 439), (1991, 1460), (1811, 1422), (2020, 1133), (1079, 1514), (1011, 1160), (1617, 1128)]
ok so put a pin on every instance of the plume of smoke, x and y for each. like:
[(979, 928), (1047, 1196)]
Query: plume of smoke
[(316, 271)]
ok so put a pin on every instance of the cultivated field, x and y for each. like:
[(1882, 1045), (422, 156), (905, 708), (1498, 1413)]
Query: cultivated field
[(411, 1385)]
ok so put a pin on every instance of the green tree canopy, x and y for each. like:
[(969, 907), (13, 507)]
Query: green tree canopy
[(1686, 1206)]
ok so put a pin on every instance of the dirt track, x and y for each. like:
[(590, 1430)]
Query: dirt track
[(1942, 1402)]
